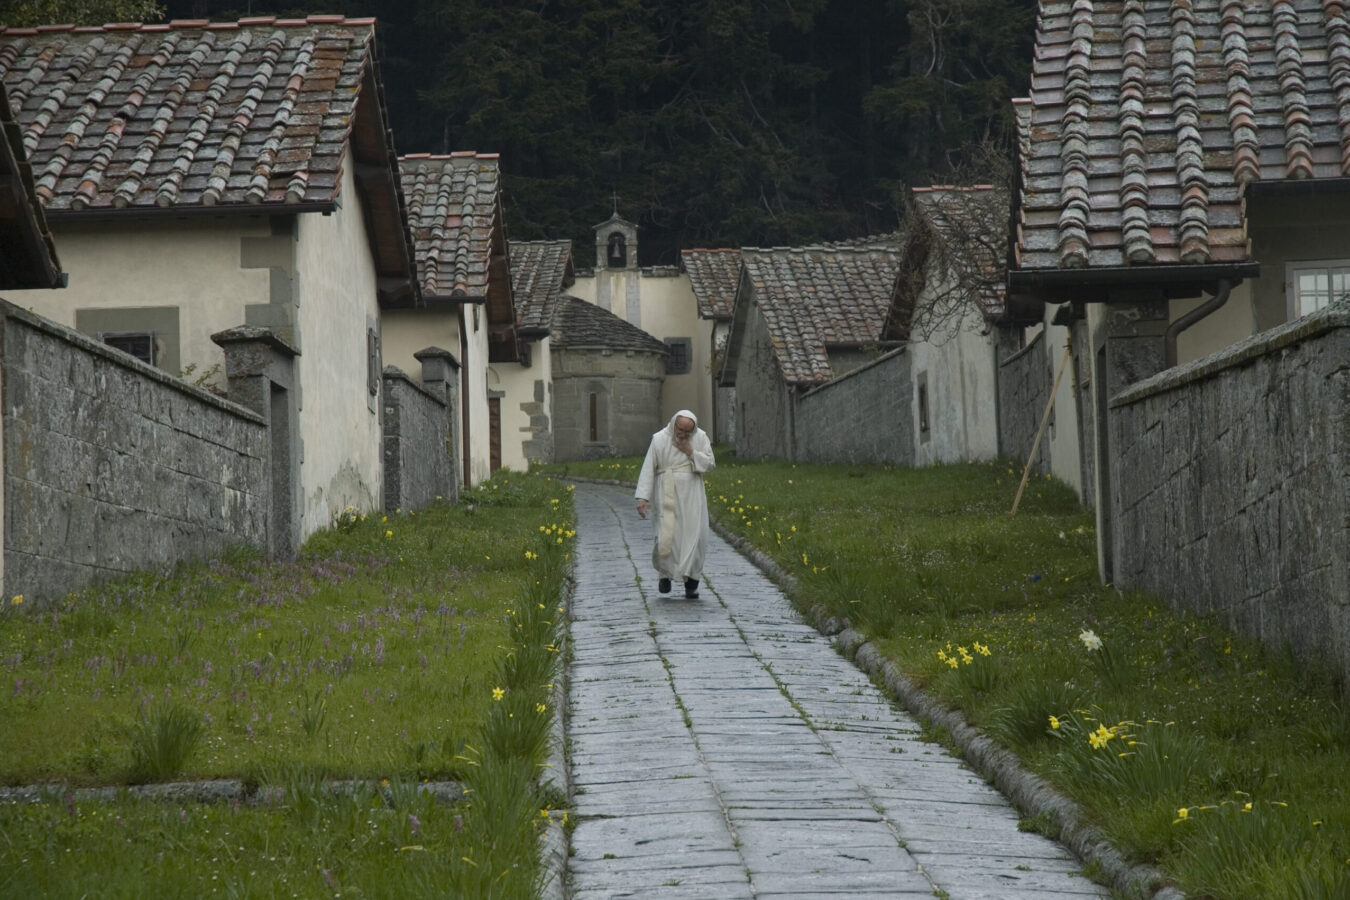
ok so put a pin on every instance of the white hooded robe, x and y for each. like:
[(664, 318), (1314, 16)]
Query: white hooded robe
[(672, 483)]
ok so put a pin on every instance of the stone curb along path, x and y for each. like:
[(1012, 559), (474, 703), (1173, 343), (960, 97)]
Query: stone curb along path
[(1030, 794)]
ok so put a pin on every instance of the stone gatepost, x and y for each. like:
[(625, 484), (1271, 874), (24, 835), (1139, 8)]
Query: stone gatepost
[(260, 368), (1134, 336), (1132, 348), (440, 375)]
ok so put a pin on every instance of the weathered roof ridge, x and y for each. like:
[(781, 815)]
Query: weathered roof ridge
[(1336, 19), (933, 188), (179, 24), (1074, 201), (1135, 235), (458, 154)]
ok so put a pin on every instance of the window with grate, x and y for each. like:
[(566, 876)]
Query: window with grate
[(140, 344), (678, 362)]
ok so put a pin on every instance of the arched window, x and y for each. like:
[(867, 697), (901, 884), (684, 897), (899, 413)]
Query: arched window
[(617, 255)]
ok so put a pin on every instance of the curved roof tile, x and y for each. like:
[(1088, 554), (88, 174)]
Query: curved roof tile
[(453, 208), (1146, 120), (814, 298), (581, 325), (713, 275), (540, 270), (191, 113)]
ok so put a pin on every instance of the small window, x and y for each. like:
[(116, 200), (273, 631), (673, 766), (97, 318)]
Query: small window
[(1310, 286), (923, 411), (597, 415), (373, 361), (140, 344), (678, 363)]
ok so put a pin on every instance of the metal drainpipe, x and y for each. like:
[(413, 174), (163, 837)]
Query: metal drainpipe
[(1204, 309)]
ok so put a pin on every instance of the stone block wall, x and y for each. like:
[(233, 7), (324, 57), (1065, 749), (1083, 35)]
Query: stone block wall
[(111, 466), (865, 416), (1024, 382), (627, 387), (418, 458), (538, 447), (1230, 486), (763, 424)]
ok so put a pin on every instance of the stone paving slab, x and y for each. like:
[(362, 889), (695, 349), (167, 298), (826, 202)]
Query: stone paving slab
[(721, 748)]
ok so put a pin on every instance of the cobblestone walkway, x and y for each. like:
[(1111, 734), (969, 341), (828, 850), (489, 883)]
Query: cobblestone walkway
[(720, 748)]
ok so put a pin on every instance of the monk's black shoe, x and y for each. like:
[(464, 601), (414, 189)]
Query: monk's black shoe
[(663, 585), (691, 589)]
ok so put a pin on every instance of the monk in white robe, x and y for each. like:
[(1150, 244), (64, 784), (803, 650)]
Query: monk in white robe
[(671, 482)]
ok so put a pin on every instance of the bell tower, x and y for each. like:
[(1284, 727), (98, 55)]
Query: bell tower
[(616, 243)]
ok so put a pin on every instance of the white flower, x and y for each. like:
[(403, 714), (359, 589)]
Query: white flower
[(1089, 639)]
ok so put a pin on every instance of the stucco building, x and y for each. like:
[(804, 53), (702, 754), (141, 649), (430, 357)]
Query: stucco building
[(607, 378), (660, 301), (204, 176)]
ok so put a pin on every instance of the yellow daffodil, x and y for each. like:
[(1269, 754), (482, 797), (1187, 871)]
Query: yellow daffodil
[(16, 599), (1100, 737), (389, 534), (1182, 815), (1054, 722)]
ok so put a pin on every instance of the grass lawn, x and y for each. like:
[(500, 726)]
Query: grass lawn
[(397, 649), (1193, 749)]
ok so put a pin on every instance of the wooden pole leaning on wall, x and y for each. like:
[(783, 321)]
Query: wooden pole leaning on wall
[(1045, 418)]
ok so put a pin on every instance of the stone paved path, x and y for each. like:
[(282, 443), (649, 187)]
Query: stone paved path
[(720, 748)]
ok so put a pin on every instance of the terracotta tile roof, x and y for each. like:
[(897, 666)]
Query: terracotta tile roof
[(813, 298), (189, 113), (580, 325), (713, 275), (971, 221), (540, 271), (203, 117), (454, 208), (27, 252), (1146, 121)]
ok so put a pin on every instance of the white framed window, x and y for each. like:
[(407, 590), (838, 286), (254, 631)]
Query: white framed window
[(1312, 284)]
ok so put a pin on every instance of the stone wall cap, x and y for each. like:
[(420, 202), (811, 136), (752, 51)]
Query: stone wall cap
[(394, 373), (1313, 325), (436, 353), (243, 334), (9, 310)]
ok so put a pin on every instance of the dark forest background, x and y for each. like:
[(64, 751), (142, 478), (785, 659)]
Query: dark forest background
[(715, 122)]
